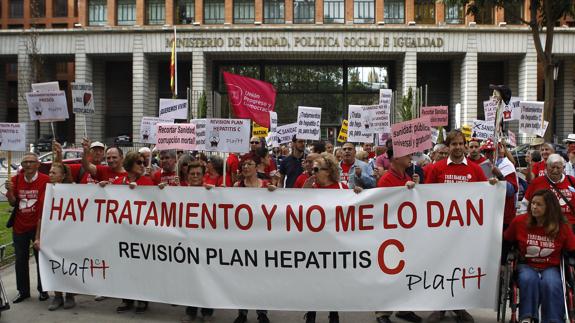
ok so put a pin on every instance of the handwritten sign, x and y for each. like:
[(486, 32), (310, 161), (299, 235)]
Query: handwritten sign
[(273, 121), (411, 136), (148, 128), (512, 111), (286, 132), (228, 135), (435, 134), (200, 133), (342, 137), (377, 116), (385, 96), (308, 123), (174, 109), (47, 106), (358, 125), (437, 114), (490, 109), (482, 129), (83, 98), (175, 136), (46, 87), (13, 136), (531, 120)]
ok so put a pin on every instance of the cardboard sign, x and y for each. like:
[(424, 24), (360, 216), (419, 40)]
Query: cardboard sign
[(382, 138), (47, 106), (286, 132), (308, 123), (482, 129), (438, 114), (377, 116), (531, 120), (490, 109), (385, 96), (200, 133), (512, 139), (411, 136), (435, 134), (46, 87), (466, 130), (228, 135), (175, 136), (273, 121), (272, 140), (83, 98), (512, 111), (13, 136), (148, 129), (174, 109), (250, 98), (342, 137), (358, 125), (259, 131)]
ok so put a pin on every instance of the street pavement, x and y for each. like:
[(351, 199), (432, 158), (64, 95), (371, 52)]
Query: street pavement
[(88, 310)]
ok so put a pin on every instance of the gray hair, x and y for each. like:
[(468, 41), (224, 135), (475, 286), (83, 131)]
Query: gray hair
[(555, 158), (144, 150), (171, 153), (438, 147), (29, 153)]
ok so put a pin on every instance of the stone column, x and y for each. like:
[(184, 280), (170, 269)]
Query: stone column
[(565, 90), (139, 86), (455, 91), (98, 121), (469, 82), (151, 108), (198, 82), (409, 72), (527, 83), (83, 73), (24, 86)]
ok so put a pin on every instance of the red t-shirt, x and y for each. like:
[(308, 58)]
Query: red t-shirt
[(454, 173), (510, 210), (300, 180), (536, 248), (86, 177), (345, 172), (30, 201), (160, 176), (217, 181), (391, 179), (478, 161), (538, 169), (105, 173), (371, 155), (427, 169), (541, 183), (339, 185), (142, 181), (232, 164), (264, 183)]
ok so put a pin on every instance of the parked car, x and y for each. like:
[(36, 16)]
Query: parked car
[(123, 140), (69, 156), (520, 151), (44, 143)]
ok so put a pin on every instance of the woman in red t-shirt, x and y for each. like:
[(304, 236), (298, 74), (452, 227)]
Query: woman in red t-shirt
[(541, 236), (249, 168), (214, 172)]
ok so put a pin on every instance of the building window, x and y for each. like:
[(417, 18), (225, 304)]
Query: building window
[(425, 11), (186, 11), (60, 8), (485, 15), (363, 11), (304, 11), (274, 11), (394, 11), (97, 12), (513, 13), (126, 12), (213, 11), (38, 8), (244, 11), (156, 12), (454, 14), (16, 8), (334, 11)]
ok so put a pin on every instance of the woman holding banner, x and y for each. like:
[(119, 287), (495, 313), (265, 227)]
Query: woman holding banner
[(249, 172), (183, 166), (214, 173), (541, 236)]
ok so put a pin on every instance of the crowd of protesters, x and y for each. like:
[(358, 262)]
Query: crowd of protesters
[(542, 192)]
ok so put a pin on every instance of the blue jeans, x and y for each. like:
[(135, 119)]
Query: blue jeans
[(541, 288)]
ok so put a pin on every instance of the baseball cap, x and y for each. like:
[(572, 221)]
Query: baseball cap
[(97, 144), (487, 145)]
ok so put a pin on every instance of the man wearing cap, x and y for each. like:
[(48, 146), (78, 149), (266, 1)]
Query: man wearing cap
[(109, 172), (474, 154), (570, 142), (96, 157)]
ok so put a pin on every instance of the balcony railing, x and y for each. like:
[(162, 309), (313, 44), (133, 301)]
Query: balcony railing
[(156, 12), (304, 11), (363, 11), (334, 11), (126, 12), (213, 11), (186, 11), (244, 12), (394, 11), (274, 12), (97, 12)]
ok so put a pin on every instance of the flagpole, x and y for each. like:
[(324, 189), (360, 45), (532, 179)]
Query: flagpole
[(175, 64)]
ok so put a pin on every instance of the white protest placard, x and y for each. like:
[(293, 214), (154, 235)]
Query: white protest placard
[(385, 96), (482, 129), (176, 109), (273, 121), (531, 120), (329, 248), (286, 132), (200, 133), (46, 87), (512, 111), (358, 125), (83, 98), (512, 138), (148, 128), (47, 106), (13, 136), (435, 134), (489, 109), (272, 140), (541, 132), (228, 135), (308, 123), (175, 136)]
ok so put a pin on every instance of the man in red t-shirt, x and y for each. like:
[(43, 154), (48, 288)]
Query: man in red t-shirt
[(474, 154), (368, 148), (108, 173), (307, 170), (455, 169), (167, 173), (538, 169), (79, 174), (233, 167), (26, 193)]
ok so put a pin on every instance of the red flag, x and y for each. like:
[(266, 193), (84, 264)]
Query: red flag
[(250, 98)]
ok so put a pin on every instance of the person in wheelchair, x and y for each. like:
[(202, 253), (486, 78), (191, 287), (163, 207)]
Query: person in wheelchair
[(541, 236)]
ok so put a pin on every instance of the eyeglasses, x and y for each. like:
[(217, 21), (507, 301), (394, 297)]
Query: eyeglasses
[(28, 162), (254, 142), (317, 169), (198, 174), (139, 162), (347, 148)]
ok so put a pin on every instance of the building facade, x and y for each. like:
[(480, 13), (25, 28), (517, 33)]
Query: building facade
[(324, 53)]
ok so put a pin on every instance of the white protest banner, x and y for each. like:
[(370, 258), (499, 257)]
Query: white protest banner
[(46, 87), (308, 123), (83, 98), (47, 106), (148, 128), (174, 109), (512, 111), (435, 134), (385, 97), (411, 136), (482, 129), (228, 135), (512, 138), (531, 120), (438, 115), (175, 136), (286, 132), (13, 136), (358, 125), (273, 121), (334, 251), (200, 133), (490, 109)]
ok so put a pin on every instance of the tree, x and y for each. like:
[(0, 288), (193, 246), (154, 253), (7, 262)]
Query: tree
[(544, 15)]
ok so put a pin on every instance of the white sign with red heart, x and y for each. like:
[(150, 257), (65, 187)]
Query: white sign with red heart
[(83, 98)]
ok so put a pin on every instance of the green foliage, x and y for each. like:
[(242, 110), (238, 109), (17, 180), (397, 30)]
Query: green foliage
[(202, 106), (405, 111)]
